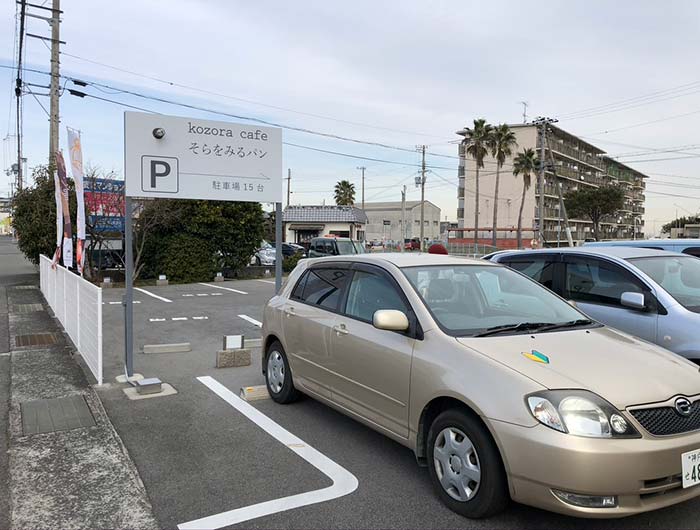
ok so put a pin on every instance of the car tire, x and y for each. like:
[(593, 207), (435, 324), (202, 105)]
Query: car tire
[(468, 477), (278, 375)]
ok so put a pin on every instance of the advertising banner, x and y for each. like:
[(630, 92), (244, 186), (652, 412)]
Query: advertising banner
[(65, 210), (75, 152), (59, 219)]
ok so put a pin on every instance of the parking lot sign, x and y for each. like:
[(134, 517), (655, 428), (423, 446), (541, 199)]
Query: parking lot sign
[(188, 158)]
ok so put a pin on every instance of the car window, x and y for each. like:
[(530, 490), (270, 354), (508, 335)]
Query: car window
[(692, 251), (345, 247), (323, 287), (298, 291), (468, 299), (597, 281), (328, 247), (678, 275), (540, 269), (371, 292)]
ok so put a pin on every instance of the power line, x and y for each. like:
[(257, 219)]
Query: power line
[(642, 124), (244, 100)]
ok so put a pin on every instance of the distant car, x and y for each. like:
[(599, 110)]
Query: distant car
[(502, 389), (652, 294), (411, 244), (376, 246), (265, 255), (333, 246), (686, 246)]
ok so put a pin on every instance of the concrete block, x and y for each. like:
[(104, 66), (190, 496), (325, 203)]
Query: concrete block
[(133, 393), (106, 284), (219, 277), (181, 347), (232, 358), (161, 283), (150, 385), (253, 393)]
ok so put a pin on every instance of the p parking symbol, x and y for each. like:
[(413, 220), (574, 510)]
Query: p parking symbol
[(159, 174)]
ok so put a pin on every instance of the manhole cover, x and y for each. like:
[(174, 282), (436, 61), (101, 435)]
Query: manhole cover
[(36, 339), (26, 287), (59, 414), (27, 308)]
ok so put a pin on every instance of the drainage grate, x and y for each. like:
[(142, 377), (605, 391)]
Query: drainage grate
[(36, 339), (26, 287), (27, 308), (59, 414)]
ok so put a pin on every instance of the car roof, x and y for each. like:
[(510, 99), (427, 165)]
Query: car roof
[(622, 252), (644, 243), (408, 259)]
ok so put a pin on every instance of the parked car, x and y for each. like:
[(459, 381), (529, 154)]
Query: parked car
[(498, 385), (412, 244), (334, 246), (686, 246), (652, 294), (265, 255)]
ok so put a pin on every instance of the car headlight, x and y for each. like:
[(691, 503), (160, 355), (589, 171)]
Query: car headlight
[(581, 413)]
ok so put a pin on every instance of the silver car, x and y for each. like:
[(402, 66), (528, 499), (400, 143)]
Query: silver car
[(652, 294)]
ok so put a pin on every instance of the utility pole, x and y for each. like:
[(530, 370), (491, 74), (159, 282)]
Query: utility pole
[(18, 93), (55, 81), (421, 148), (525, 104), (362, 168), (402, 241), (289, 184), (542, 123)]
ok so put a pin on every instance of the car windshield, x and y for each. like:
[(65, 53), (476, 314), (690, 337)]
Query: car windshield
[(359, 248), (471, 300), (346, 247), (678, 275)]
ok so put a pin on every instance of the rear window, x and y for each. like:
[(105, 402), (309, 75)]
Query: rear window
[(321, 287)]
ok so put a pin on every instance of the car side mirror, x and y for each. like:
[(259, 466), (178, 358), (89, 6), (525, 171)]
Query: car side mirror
[(390, 319), (633, 300)]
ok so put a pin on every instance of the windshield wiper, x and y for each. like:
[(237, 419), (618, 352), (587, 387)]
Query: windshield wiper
[(569, 324), (522, 326)]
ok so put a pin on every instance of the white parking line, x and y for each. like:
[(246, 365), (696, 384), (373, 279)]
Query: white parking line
[(178, 318), (187, 295), (200, 318), (344, 482), (202, 294), (224, 288), (115, 303), (266, 281), (156, 319), (144, 291), (251, 320), (217, 294)]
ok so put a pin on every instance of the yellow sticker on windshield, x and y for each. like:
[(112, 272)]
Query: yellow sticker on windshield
[(536, 356)]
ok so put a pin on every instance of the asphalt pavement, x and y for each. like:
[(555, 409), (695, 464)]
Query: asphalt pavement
[(198, 456)]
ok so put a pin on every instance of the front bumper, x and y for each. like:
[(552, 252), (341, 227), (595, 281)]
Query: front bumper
[(644, 473)]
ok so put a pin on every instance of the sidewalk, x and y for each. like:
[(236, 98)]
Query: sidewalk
[(67, 467)]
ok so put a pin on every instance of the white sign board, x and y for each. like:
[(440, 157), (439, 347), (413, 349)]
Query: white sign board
[(188, 158)]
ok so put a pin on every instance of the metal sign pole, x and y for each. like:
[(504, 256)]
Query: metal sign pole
[(278, 247), (129, 294)]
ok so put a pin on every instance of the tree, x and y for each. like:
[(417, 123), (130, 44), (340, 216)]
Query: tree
[(205, 236), (595, 203), (680, 223), (34, 216), (477, 141), (344, 193), (502, 143), (525, 164)]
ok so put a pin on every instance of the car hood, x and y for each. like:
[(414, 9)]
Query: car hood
[(619, 368)]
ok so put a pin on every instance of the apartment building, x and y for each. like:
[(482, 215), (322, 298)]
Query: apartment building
[(384, 221), (572, 163)]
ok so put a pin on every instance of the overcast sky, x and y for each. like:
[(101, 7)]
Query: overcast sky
[(399, 73)]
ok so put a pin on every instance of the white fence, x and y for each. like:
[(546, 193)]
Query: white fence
[(77, 305)]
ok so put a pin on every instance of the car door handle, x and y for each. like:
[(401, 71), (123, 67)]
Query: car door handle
[(340, 329), (289, 311)]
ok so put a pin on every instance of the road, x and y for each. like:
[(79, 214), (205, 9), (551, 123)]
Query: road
[(199, 456)]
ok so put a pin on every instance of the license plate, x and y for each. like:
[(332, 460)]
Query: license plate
[(690, 463)]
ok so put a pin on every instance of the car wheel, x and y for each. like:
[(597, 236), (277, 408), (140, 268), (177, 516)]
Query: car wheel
[(278, 376), (465, 466)]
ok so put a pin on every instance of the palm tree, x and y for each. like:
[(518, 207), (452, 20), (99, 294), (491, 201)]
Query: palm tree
[(344, 193), (502, 144), (525, 164), (476, 141)]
